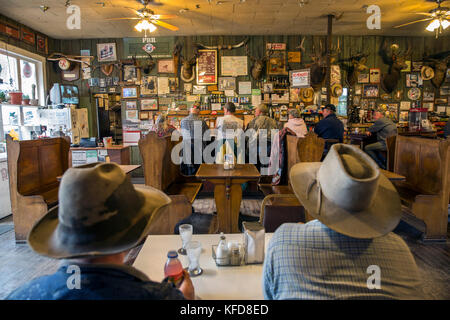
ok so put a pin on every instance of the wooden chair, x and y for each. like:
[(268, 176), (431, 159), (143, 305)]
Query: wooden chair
[(425, 193), (390, 158), (159, 170), (34, 166), (307, 149)]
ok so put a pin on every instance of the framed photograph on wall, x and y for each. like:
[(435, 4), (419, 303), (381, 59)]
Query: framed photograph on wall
[(363, 78), (207, 67), (358, 89), (371, 90), (130, 92), (276, 64), (106, 52), (405, 105), (173, 84), (428, 105), (130, 73), (149, 85), (227, 83), (428, 96), (144, 116), (374, 75), (166, 66), (149, 104), (198, 89), (131, 105)]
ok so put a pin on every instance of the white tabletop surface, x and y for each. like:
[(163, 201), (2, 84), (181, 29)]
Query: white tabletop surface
[(216, 283)]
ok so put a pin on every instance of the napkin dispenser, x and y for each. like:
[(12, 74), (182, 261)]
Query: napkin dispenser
[(254, 242)]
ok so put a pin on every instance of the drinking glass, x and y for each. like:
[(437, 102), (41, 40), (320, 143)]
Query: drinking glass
[(186, 236), (194, 249)]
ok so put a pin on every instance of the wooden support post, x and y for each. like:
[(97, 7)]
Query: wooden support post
[(329, 42)]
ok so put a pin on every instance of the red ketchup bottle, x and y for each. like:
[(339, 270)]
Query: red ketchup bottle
[(173, 270)]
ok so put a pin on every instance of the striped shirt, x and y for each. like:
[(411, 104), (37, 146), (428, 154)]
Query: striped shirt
[(311, 261)]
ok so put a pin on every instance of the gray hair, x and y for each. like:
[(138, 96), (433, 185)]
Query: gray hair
[(263, 108), (294, 113)]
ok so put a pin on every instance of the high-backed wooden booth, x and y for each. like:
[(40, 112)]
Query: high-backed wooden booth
[(34, 166), (425, 193)]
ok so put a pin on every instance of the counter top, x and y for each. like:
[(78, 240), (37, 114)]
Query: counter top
[(118, 147)]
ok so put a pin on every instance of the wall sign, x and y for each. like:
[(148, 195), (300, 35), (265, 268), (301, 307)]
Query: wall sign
[(234, 66), (27, 36), (207, 67), (106, 52), (140, 48), (300, 78)]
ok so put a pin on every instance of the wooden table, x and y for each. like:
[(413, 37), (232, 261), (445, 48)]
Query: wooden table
[(216, 283), (227, 191), (117, 153), (392, 176)]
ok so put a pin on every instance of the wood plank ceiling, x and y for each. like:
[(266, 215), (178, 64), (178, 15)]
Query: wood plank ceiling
[(226, 17)]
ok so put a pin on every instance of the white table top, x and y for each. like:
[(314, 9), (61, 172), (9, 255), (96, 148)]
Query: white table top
[(216, 283)]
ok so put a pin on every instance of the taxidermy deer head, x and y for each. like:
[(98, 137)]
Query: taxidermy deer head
[(440, 61), (318, 65), (151, 63), (258, 64), (354, 66), (187, 67), (396, 61)]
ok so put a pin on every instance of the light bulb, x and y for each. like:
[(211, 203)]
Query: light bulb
[(433, 25), (445, 24), (145, 25)]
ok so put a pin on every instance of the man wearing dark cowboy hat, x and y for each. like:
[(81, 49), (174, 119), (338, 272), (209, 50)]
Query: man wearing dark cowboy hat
[(100, 216), (330, 127), (349, 252)]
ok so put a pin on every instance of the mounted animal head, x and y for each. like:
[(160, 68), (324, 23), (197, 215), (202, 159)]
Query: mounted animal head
[(319, 63), (150, 64), (258, 64), (176, 54), (440, 62), (354, 65), (187, 67), (396, 61)]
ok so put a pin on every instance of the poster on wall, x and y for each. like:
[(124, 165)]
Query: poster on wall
[(42, 44), (245, 87), (227, 83), (300, 78), (234, 66), (276, 64), (106, 52), (149, 85), (163, 85), (27, 36), (149, 104), (207, 67), (374, 75)]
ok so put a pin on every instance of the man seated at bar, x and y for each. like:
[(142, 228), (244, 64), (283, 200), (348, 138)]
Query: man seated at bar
[(383, 128), (162, 126), (100, 217), (192, 129), (330, 127), (349, 251), (227, 127)]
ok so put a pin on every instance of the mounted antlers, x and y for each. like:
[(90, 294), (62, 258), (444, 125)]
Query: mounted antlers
[(224, 46), (396, 61), (258, 64), (354, 68), (440, 61), (187, 67)]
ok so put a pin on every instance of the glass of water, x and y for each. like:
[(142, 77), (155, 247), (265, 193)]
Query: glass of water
[(186, 236), (194, 249)]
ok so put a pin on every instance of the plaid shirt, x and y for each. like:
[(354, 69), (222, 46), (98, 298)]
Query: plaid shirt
[(311, 261)]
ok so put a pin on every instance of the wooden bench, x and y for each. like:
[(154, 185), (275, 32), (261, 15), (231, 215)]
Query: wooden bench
[(159, 170), (307, 149), (34, 166), (425, 193)]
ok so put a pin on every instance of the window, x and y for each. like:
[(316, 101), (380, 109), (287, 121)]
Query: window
[(342, 105), (19, 72)]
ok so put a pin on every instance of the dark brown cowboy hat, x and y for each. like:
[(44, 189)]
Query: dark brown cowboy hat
[(100, 212)]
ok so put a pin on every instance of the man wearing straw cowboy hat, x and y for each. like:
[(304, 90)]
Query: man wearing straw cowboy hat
[(100, 216), (349, 252)]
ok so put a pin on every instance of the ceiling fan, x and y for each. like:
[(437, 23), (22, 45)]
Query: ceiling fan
[(440, 17), (147, 18)]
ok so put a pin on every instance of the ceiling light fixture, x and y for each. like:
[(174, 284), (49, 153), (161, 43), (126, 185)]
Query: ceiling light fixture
[(145, 25), (437, 25)]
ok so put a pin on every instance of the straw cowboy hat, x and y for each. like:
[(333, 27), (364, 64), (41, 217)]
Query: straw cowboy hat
[(99, 213), (427, 73), (348, 193), (307, 94), (336, 90)]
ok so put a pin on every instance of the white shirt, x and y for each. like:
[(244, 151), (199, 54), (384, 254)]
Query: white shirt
[(227, 122)]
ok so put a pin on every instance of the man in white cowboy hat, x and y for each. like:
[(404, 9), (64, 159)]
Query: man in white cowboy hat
[(349, 251), (100, 217), (384, 128)]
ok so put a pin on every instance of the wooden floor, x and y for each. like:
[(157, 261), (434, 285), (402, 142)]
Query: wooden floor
[(19, 263)]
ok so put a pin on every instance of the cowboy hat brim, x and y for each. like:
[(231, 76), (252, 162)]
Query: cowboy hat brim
[(423, 73), (380, 218), (43, 237)]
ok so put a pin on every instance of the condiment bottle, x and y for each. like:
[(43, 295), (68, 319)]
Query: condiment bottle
[(173, 270), (222, 252)]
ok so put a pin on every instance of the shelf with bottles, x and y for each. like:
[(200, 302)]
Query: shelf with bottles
[(279, 83)]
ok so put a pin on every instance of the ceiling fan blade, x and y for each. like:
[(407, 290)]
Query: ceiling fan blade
[(134, 11), (163, 16), (165, 25), (123, 19), (405, 24), (424, 13)]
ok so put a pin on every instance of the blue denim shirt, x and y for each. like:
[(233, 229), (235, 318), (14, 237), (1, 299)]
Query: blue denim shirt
[(98, 282)]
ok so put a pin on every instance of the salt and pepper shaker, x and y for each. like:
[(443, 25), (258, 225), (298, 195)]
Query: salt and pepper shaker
[(222, 253)]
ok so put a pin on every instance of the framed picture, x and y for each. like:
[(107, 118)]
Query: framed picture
[(132, 115), (356, 100), (416, 66), (444, 90), (363, 78), (412, 80), (392, 111), (428, 105), (106, 52), (188, 87), (41, 44), (207, 67), (27, 35), (130, 92), (294, 56), (405, 105), (440, 101), (198, 89), (166, 66), (300, 78), (227, 83), (276, 64), (294, 94), (364, 104), (149, 85), (131, 105), (130, 73), (149, 104), (374, 75), (428, 96), (267, 87), (371, 91), (144, 116), (358, 89), (173, 84)]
